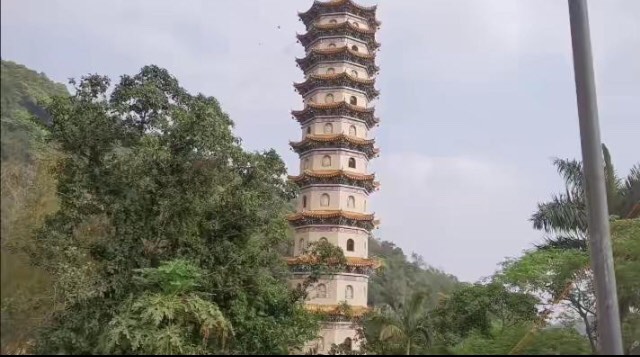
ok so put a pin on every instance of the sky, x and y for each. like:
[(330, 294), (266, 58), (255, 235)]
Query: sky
[(476, 97)]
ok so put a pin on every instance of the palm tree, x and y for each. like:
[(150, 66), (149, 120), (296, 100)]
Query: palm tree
[(565, 215), (405, 324)]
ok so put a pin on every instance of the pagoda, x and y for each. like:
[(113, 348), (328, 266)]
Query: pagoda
[(335, 149)]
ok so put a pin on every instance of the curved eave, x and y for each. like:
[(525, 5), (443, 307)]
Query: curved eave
[(338, 80), (335, 310), (338, 50), (332, 214), (322, 7), (343, 29), (343, 53), (336, 109), (350, 261), (338, 141), (339, 177), (332, 138)]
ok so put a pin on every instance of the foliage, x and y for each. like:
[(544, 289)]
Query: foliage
[(23, 94), (152, 173), (480, 309), (400, 277), (169, 318), (28, 196), (566, 216)]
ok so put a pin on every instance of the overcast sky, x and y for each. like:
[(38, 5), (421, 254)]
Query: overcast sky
[(476, 96)]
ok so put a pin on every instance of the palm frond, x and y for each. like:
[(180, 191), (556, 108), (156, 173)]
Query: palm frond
[(563, 242), (612, 182), (571, 172), (630, 191), (562, 214)]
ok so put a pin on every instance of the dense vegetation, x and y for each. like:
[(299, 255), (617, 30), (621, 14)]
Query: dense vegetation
[(133, 222)]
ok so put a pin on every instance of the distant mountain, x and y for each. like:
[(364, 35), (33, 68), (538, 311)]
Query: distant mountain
[(23, 95)]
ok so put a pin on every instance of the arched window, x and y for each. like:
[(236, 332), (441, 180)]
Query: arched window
[(323, 240), (333, 21), (304, 201), (328, 128), (299, 286), (332, 45), (331, 70), (353, 100), (365, 208), (309, 129), (306, 164), (347, 344), (348, 293), (356, 24), (351, 202), (324, 200), (326, 161), (328, 98), (301, 245), (352, 163), (352, 130), (354, 73), (321, 344), (354, 48), (321, 291), (350, 245)]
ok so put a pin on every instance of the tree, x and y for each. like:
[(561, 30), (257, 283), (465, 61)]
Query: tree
[(404, 325), (566, 214), (168, 318), (151, 173)]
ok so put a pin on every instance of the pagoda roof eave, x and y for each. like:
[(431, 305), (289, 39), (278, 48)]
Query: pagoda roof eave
[(332, 214), (332, 138)]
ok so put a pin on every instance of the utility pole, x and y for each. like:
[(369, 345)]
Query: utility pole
[(610, 335)]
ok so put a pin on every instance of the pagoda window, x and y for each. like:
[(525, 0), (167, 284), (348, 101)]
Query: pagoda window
[(309, 129), (326, 161), (333, 21), (350, 245), (351, 202), (299, 286), (353, 100), (352, 163), (354, 48), (323, 240), (328, 98), (332, 45), (306, 164), (355, 24), (331, 70), (354, 73), (301, 246), (328, 128), (321, 344), (347, 343), (352, 130), (304, 201), (348, 294), (324, 200), (321, 291)]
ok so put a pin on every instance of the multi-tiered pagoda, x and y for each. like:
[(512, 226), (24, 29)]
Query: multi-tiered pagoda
[(335, 150)]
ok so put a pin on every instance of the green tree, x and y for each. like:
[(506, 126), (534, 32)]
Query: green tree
[(169, 317), (565, 216), (152, 173), (405, 327)]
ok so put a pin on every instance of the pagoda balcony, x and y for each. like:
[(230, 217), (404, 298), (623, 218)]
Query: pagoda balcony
[(342, 79), (338, 54), (338, 313), (353, 265), (333, 218), (336, 177), (335, 141), (341, 6), (337, 109), (343, 29)]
